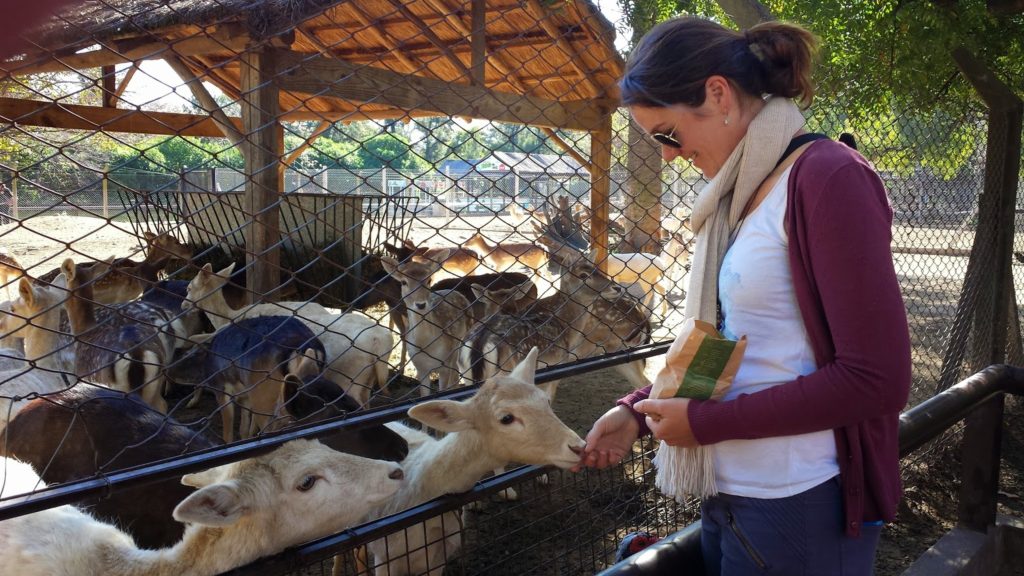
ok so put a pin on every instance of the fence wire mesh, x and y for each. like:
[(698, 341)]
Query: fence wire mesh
[(307, 212)]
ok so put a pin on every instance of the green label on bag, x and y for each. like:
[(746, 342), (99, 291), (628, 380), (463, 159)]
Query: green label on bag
[(706, 367)]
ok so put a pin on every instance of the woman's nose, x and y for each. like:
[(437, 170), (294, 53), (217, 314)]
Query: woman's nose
[(669, 153)]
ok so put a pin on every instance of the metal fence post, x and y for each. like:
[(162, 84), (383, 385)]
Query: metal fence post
[(14, 196), (106, 199)]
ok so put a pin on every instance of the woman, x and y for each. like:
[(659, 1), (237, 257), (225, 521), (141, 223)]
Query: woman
[(792, 251)]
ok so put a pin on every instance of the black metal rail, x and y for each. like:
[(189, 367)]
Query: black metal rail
[(679, 553), (175, 467)]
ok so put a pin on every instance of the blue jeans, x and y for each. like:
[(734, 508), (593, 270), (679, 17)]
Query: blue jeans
[(801, 535)]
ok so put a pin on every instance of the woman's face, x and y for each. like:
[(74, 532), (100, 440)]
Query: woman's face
[(705, 135)]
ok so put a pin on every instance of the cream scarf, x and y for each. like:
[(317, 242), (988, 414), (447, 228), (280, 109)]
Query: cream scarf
[(716, 214)]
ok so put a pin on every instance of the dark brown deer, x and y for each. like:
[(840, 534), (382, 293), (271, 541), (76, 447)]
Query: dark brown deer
[(128, 350)]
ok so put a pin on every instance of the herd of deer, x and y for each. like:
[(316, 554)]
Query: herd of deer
[(89, 351)]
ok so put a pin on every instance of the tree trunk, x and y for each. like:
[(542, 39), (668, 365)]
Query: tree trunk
[(643, 207), (746, 13)]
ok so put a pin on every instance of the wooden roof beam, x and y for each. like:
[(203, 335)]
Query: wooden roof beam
[(322, 76), (93, 118), (73, 116), (429, 34), (538, 12), (317, 132), (130, 53), (497, 60), (383, 37), (125, 80), (206, 100)]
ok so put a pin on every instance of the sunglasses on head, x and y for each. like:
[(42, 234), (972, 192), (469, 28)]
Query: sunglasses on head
[(667, 139)]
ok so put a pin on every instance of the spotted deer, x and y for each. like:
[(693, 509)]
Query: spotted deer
[(128, 350), (505, 255), (123, 279), (454, 260), (437, 321), (557, 325)]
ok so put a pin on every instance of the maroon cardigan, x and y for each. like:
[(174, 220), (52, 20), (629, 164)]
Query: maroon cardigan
[(839, 223)]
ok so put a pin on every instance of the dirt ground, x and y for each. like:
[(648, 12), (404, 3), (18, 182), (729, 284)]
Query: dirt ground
[(572, 525)]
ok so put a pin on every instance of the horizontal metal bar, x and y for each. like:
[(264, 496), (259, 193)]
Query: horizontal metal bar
[(319, 550), (175, 467)]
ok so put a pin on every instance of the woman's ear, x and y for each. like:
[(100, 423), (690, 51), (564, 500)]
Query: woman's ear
[(718, 94)]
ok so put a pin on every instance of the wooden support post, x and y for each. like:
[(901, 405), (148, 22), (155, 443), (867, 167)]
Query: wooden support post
[(260, 110), (600, 187), (983, 432), (108, 83), (479, 42)]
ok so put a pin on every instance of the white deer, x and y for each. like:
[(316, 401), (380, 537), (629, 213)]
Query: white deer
[(509, 419), (242, 511)]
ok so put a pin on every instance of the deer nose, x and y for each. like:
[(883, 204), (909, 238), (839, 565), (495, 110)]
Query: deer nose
[(421, 305), (576, 449), (396, 474)]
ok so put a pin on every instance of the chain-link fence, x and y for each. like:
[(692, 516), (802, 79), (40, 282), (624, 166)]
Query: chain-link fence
[(328, 216)]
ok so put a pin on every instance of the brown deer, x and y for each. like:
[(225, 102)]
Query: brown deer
[(129, 350), (556, 325), (437, 321), (455, 260), (505, 255), (123, 279)]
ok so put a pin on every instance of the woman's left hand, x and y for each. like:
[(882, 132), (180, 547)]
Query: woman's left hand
[(668, 420)]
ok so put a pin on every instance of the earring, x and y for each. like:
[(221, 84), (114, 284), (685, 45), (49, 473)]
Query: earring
[(726, 120)]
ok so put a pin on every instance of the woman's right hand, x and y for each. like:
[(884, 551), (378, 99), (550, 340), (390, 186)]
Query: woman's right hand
[(610, 439)]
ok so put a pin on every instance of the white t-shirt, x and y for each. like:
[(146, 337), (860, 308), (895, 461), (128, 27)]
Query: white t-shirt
[(757, 299)]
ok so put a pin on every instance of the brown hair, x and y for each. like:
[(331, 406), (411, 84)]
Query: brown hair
[(672, 62)]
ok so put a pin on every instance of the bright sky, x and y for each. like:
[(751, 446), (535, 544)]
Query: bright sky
[(153, 85)]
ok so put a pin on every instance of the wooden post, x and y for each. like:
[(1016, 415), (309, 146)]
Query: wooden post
[(109, 86), (995, 235), (263, 180), (600, 186), (106, 197), (479, 43)]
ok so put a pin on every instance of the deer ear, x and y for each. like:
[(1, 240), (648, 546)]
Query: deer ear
[(390, 265), (149, 235), (527, 369), (68, 267), (442, 415), (523, 289), (206, 270), (226, 272), (26, 292), (220, 504), (478, 290)]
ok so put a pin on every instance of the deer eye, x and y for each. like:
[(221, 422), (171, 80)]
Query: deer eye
[(404, 282), (508, 419), (307, 483)]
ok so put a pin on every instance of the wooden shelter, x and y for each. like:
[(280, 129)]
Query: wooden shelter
[(547, 63)]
